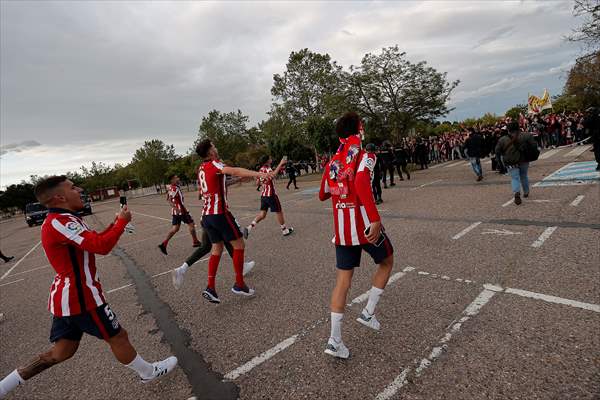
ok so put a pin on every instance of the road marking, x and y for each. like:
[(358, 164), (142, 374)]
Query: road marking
[(487, 162), (10, 283), (575, 173), (577, 200), (508, 203), (577, 151), (501, 232), (544, 236), (472, 310), (548, 154), (265, 356), (151, 216), (20, 261), (466, 230), (554, 299), (453, 165), (119, 288), (426, 184), (435, 166)]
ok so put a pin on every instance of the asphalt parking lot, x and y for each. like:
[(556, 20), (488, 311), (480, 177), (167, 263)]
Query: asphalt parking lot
[(487, 300)]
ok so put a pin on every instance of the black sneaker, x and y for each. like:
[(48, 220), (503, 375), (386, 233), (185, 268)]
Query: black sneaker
[(211, 295), (518, 199), (245, 232), (163, 249), (526, 195), (9, 259), (242, 291)]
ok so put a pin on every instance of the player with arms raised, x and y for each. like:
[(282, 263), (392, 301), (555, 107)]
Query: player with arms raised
[(347, 181)]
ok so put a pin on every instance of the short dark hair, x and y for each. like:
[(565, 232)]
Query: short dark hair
[(45, 186), (263, 159), (171, 176), (347, 125), (203, 147), (513, 127)]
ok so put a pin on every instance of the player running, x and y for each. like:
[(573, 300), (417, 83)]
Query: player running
[(347, 181), (180, 214), (217, 220), (76, 300), (268, 197)]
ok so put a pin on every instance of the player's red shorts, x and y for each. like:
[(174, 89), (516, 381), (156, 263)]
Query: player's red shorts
[(221, 227)]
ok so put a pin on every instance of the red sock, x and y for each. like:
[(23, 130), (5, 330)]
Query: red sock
[(213, 265), (165, 243), (238, 266)]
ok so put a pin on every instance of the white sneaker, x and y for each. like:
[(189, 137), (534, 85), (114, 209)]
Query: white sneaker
[(336, 349), (129, 228), (287, 231), (369, 320), (177, 277), (161, 368), (248, 267)]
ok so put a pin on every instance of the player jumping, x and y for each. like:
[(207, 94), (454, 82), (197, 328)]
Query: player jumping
[(268, 198), (347, 181), (180, 214), (76, 300), (217, 220)]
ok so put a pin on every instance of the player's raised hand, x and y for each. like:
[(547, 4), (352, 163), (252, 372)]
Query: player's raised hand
[(124, 214)]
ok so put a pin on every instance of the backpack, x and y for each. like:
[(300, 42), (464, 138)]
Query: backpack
[(529, 151)]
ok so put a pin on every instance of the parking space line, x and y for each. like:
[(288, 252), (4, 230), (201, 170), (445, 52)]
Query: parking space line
[(453, 165), (119, 288), (548, 154), (553, 299), (577, 200), (426, 184), (576, 151), (466, 230), (151, 216), (544, 236), (508, 203), (20, 261), (472, 310), (10, 283)]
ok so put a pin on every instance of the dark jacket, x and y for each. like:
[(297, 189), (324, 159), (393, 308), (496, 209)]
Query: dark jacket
[(508, 147), (400, 156), (474, 145)]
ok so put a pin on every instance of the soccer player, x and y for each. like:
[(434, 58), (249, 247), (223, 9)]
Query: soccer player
[(180, 214), (347, 181), (217, 220), (76, 300), (268, 198)]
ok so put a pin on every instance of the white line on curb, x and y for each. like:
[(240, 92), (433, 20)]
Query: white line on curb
[(466, 230), (544, 236), (21, 260), (577, 200)]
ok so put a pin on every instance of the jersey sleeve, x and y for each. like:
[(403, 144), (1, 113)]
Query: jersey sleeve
[(69, 231), (219, 166), (324, 192), (362, 182)]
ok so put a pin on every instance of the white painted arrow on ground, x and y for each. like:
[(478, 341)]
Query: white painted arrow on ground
[(502, 232)]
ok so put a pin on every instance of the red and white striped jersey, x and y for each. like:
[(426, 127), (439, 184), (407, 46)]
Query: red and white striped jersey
[(70, 246), (175, 197), (347, 181), (268, 188), (212, 187)]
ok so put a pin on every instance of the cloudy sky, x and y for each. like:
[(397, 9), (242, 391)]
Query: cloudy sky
[(83, 81)]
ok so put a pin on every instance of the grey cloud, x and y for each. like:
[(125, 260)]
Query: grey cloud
[(18, 147), (495, 35)]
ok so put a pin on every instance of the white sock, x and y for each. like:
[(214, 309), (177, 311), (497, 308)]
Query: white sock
[(10, 382), (374, 295), (283, 228), (141, 366), (184, 267), (336, 326)]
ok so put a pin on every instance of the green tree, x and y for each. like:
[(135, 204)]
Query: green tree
[(18, 196), (227, 131), (394, 93), (515, 111), (151, 161), (583, 81)]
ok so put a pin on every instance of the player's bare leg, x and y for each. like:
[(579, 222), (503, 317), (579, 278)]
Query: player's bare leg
[(380, 280), (335, 345), (192, 228), (172, 232), (261, 215)]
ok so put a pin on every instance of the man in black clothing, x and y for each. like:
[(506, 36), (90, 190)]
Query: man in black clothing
[(473, 150), (401, 161), (422, 153), (376, 180), (592, 124), (290, 169), (387, 159)]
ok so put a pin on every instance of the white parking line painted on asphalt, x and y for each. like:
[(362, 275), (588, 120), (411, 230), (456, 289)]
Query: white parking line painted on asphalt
[(553, 299), (577, 151), (453, 165), (508, 203), (20, 261), (426, 184), (548, 154), (256, 361), (120, 288), (472, 310), (577, 200), (466, 230), (151, 216), (10, 283), (544, 236), (435, 166)]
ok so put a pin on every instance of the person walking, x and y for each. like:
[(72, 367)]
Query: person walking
[(387, 162), (290, 169), (401, 161), (473, 150), (517, 150), (376, 181)]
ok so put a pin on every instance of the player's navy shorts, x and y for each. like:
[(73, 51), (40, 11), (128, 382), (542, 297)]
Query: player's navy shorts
[(221, 227), (348, 257), (185, 218), (100, 322), (270, 202)]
